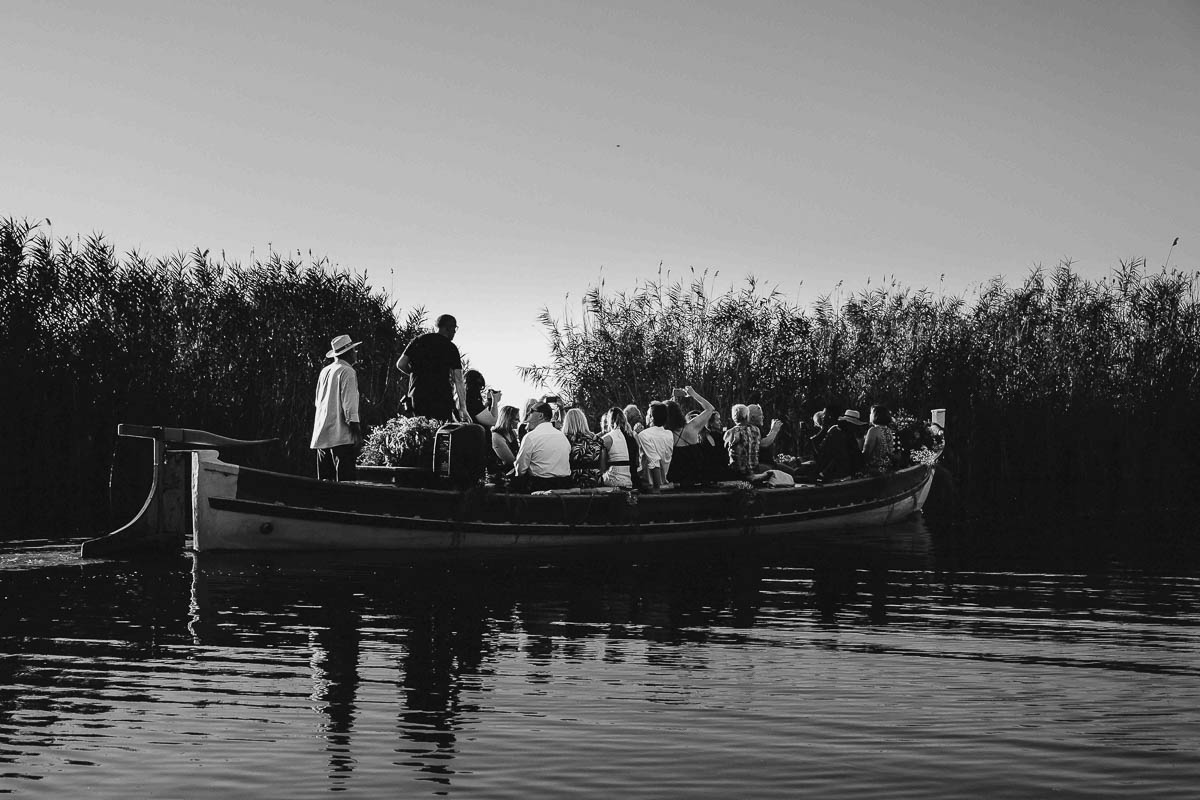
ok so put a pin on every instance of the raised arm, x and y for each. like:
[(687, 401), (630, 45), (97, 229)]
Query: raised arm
[(769, 438), (696, 423)]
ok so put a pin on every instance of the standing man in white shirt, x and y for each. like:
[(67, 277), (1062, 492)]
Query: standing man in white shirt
[(544, 460), (336, 429)]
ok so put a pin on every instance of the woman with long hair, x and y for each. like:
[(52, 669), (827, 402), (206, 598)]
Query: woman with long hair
[(690, 460), (587, 453), (504, 444), (620, 449)]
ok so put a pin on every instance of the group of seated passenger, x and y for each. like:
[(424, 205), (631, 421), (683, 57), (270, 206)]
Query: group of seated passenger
[(847, 446), (552, 447)]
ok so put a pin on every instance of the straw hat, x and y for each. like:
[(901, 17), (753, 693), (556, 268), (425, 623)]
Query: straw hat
[(341, 344), (850, 415)]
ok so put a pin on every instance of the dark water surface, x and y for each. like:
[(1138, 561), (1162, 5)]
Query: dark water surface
[(890, 666)]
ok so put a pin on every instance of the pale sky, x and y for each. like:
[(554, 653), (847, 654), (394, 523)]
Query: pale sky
[(488, 159)]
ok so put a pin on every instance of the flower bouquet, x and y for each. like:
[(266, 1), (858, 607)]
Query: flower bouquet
[(921, 439), (400, 442)]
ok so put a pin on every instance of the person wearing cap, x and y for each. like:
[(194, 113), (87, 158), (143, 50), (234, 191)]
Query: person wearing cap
[(435, 375), (544, 457), (336, 429)]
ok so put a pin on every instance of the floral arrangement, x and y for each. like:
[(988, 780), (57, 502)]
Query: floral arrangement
[(920, 438), (400, 442), (924, 455)]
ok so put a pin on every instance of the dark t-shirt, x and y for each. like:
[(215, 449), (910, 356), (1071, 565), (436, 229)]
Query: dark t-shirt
[(432, 357)]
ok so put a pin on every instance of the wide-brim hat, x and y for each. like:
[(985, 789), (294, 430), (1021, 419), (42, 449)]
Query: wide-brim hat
[(850, 415), (341, 344)]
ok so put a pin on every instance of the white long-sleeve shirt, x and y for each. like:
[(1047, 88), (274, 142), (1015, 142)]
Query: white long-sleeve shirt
[(545, 453), (337, 406)]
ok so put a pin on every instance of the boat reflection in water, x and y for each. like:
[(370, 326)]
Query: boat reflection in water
[(877, 664), (437, 636)]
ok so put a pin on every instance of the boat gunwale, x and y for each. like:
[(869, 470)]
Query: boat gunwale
[(511, 528), (581, 494)]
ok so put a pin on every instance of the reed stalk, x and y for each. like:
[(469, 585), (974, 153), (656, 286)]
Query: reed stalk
[(1064, 394), (88, 340)]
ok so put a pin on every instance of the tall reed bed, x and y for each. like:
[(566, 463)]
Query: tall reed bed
[(1064, 394), (88, 340)]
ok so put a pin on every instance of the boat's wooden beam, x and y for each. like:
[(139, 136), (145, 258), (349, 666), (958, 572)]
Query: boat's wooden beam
[(185, 438)]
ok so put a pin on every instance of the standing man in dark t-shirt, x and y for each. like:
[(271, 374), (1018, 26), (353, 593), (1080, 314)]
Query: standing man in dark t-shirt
[(435, 376)]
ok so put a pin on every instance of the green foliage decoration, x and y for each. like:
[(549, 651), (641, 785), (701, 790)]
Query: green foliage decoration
[(400, 442)]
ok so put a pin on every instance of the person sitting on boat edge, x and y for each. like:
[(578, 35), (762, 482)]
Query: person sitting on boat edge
[(337, 432), (712, 441), (741, 445), (435, 376), (656, 444), (587, 451), (544, 458), (856, 432), (620, 448), (633, 415), (504, 444), (881, 448), (838, 454), (690, 459), (766, 441), (523, 428)]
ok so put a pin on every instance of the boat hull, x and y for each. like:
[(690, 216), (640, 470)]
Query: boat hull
[(236, 508)]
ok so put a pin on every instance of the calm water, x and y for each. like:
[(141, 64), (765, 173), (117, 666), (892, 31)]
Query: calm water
[(899, 666)]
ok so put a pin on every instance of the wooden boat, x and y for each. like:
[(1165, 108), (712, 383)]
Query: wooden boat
[(199, 502)]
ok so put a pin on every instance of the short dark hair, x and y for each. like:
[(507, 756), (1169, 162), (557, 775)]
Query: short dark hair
[(446, 321), (543, 409), (675, 419), (658, 414)]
